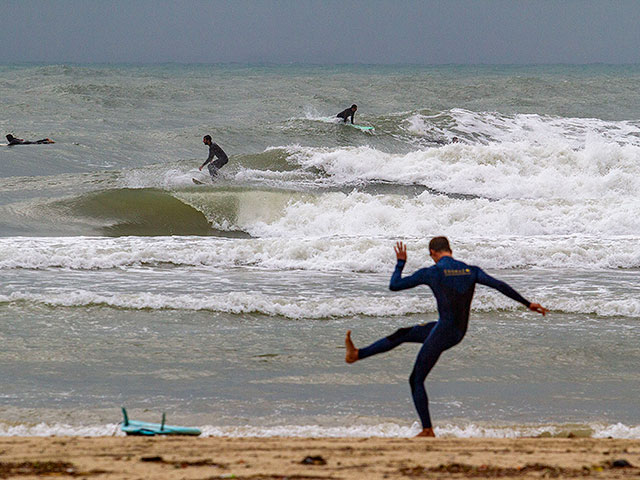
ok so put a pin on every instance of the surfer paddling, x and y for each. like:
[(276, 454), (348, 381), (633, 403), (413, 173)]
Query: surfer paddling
[(214, 151), (349, 112), (453, 283), (20, 141)]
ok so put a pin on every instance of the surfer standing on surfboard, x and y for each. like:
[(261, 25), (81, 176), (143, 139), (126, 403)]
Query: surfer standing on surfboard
[(349, 112), (452, 283), (214, 151)]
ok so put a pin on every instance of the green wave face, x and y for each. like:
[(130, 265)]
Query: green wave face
[(230, 212), (141, 212)]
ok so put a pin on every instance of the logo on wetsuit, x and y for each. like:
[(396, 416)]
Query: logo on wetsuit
[(453, 272)]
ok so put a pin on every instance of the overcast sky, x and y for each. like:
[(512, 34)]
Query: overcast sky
[(316, 31)]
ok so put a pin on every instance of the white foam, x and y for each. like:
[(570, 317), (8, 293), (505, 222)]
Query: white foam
[(340, 253), (395, 216), (479, 431), (312, 113), (319, 307), (163, 178), (618, 430), (497, 170), (495, 127), (59, 429), (233, 302), (382, 430)]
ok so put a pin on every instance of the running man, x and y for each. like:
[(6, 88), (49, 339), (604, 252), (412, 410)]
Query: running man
[(214, 151), (349, 112), (452, 283)]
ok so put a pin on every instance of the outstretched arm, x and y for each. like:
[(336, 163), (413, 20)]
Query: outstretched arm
[(209, 158), (399, 283), (505, 289)]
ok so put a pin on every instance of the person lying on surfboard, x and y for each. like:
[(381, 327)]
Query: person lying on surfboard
[(214, 151), (349, 112), (20, 141), (452, 283)]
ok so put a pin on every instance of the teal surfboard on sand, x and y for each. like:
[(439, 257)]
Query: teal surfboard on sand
[(134, 427)]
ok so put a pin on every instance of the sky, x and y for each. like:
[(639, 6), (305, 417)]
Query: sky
[(321, 32)]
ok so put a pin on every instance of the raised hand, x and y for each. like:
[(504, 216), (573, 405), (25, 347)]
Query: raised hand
[(401, 251)]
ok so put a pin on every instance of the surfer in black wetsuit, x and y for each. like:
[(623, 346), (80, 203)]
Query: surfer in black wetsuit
[(453, 283), (214, 151), (349, 112), (19, 141)]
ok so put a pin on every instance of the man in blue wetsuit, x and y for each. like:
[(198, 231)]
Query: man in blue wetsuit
[(214, 151), (453, 283)]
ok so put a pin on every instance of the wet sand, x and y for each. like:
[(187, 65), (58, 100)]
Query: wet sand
[(294, 458)]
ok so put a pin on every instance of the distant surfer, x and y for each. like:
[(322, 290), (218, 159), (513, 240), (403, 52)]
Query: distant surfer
[(349, 112), (20, 141), (453, 283), (214, 151)]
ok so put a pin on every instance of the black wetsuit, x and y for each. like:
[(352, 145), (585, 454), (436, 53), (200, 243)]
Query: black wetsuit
[(215, 165), (453, 284), (345, 114), (16, 141)]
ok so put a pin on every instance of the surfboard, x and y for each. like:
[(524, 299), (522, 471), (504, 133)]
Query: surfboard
[(197, 182), (134, 427), (364, 128), (7, 145)]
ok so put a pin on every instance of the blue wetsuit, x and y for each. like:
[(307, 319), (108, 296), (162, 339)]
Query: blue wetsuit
[(453, 283)]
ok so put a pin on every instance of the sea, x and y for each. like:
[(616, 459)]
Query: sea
[(225, 305)]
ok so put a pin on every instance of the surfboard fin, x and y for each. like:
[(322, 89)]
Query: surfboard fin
[(126, 417)]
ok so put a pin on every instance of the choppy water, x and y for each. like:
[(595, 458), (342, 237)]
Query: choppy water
[(225, 305)]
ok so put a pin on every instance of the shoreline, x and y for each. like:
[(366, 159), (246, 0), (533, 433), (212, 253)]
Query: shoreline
[(331, 458), (346, 429)]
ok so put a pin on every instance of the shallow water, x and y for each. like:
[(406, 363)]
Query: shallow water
[(225, 305)]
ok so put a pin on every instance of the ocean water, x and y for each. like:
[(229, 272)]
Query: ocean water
[(225, 305)]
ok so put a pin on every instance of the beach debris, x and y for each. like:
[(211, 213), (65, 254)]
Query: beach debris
[(313, 460), (621, 463), (207, 462), (37, 468), (152, 459), (471, 471)]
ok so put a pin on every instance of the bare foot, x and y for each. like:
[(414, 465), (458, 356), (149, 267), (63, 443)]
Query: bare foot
[(352, 351), (426, 432)]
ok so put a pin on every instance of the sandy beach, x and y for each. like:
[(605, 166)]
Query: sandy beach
[(304, 458)]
